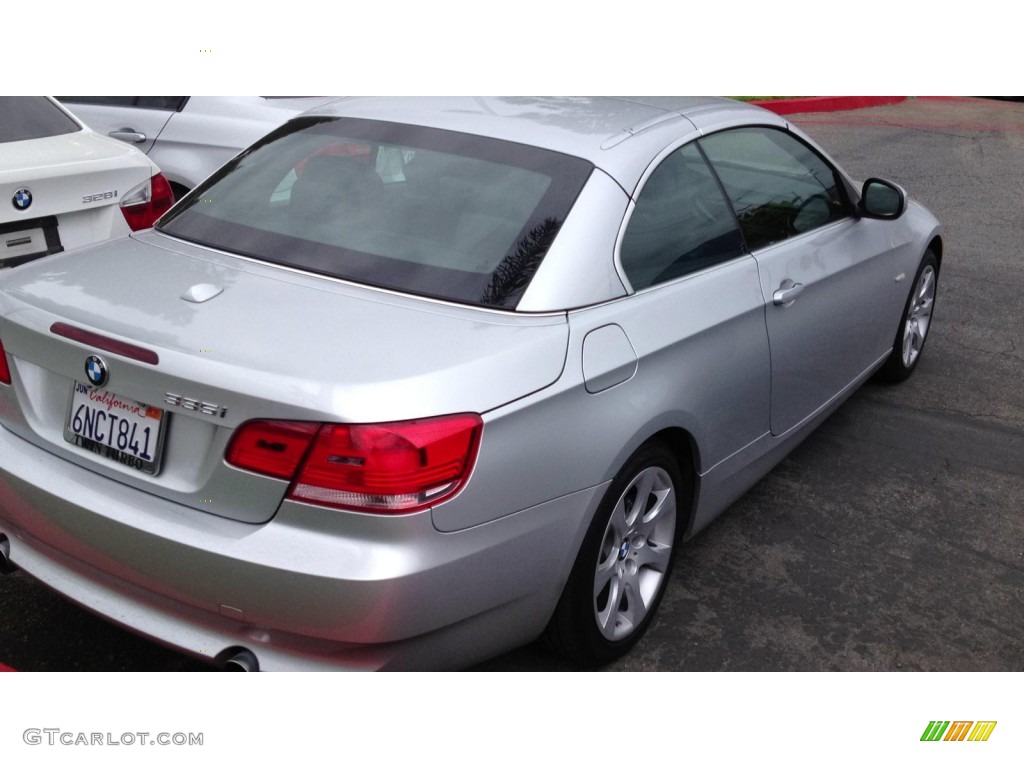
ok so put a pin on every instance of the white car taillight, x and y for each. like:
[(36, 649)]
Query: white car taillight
[(5, 372), (147, 202)]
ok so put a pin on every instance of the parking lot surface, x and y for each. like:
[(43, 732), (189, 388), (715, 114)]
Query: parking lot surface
[(891, 539)]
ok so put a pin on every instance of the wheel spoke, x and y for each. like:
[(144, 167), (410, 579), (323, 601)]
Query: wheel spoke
[(652, 506), (644, 485), (604, 575), (606, 613), (659, 521), (664, 502), (648, 581), (927, 286), (630, 606), (618, 523), (654, 557)]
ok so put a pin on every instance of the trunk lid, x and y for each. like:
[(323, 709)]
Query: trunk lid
[(76, 182), (272, 344), (61, 170)]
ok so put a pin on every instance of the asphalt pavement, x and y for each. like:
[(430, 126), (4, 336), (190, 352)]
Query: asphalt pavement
[(891, 539)]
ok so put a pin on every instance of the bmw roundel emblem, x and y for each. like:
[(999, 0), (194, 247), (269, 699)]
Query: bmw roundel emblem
[(22, 199), (96, 370)]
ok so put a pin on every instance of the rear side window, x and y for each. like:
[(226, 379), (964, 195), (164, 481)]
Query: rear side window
[(420, 210), (681, 223), (32, 117), (778, 185), (100, 101), (170, 103)]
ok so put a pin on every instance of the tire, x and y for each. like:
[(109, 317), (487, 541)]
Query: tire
[(625, 561), (915, 323)]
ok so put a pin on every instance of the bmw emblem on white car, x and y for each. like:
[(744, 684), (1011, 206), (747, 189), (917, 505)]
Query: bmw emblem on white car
[(22, 199), (96, 370)]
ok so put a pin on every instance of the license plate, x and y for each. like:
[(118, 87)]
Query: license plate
[(122, 430), (27, 242)]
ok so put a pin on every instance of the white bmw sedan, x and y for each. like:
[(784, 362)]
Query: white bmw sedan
[(189, 137), (411, 382), (63, 187)]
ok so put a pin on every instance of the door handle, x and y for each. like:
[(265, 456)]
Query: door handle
[(128, 134), (787, 293)]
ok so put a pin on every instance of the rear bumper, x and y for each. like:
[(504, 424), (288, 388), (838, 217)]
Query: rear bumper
[(310, 588)]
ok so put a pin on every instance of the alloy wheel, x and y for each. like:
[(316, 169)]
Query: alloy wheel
[(635, 553), (919, 316)]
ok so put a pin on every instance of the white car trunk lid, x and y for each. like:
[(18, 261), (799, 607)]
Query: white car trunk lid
[(70, 173)]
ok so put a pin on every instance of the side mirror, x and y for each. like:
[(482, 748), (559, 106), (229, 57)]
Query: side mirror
[(881, 199)]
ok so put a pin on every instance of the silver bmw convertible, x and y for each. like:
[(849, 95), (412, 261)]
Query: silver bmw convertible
[(409, 383)]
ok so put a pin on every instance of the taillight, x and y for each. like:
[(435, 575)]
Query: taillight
[(146, 203), (5, 372), (272, 448), (392, 468)]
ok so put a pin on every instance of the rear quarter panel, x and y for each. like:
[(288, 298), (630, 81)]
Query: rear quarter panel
[(702, 366)]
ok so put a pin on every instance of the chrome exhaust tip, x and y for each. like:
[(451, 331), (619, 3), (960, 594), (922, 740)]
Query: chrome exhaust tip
[(240, 660)]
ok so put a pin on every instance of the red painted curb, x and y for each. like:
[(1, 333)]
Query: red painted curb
[(826, 103)]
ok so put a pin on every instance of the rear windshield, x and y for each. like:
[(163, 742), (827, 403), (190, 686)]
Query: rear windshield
[(32, 117), (420, 210)]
